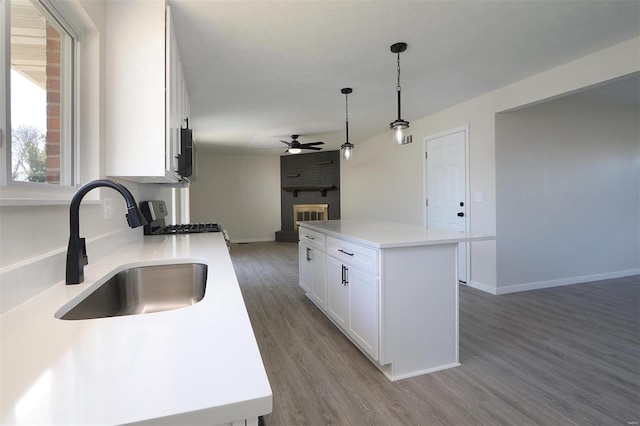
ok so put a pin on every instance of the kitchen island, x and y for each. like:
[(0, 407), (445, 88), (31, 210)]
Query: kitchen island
[(194, 365), (391, 288)]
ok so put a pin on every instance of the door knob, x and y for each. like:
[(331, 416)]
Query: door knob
[(460, 214)]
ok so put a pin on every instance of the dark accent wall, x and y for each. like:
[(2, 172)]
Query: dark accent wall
[(318, 169)]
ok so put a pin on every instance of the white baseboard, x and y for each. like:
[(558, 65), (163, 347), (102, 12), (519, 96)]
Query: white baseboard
[(26, 279), (252, 240), (566, 281), (394, 378), (516, 288), (481, 286)]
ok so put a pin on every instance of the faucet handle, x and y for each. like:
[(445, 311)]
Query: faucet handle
[(83, 246), (135, 217)]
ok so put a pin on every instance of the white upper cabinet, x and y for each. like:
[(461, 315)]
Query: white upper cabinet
[(145, 92)]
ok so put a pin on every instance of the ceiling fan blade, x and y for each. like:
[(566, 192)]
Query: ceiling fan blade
[(313, 143), (286, 143), (311, 147)]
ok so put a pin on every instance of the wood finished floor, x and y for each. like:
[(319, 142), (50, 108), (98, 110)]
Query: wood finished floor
[(560, 356)]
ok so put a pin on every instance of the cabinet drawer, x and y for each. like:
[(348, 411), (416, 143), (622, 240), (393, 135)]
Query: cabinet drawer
[(312, 238), (363, 258)]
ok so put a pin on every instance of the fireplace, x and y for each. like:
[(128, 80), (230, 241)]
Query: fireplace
[(304, 212), (309, 183)]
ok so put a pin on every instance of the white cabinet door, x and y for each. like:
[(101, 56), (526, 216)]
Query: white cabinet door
[(348, 294), (338, 293), (305, 267), (319, 277), (363, 320), (312, 273), (146, 96), (177, 97)]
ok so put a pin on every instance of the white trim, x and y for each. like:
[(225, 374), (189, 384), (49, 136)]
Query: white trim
[(251, 240), (482, 287), (8, 202), (515, 288), (394, 378), (467, 222), (5, 101)]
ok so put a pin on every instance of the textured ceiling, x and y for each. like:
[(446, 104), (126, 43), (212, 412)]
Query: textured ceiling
[(259, 71)]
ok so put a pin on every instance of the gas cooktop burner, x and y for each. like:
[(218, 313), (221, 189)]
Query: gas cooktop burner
[(155, 211), (190, 228)]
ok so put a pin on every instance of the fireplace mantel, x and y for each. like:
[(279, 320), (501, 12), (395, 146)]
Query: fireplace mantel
[(323, 189)]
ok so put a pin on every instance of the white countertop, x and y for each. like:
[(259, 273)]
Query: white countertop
[(199, 362), (380, 234)]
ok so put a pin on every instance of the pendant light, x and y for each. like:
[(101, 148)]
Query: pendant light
[(346, 148), (399, 126)]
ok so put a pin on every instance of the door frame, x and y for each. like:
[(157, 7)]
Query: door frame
[(467, 222)]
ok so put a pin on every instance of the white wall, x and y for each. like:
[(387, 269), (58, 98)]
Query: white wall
[(241, 192), (391, 177), (568, 193)]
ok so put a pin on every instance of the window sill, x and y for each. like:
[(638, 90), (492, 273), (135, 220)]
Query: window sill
[(29, 196), (7, 202)]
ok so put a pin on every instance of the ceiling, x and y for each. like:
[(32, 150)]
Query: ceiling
[(28, 42), (259, 71)]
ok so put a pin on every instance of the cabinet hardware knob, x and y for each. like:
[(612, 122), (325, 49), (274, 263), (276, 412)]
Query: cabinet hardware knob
[(460, 214)]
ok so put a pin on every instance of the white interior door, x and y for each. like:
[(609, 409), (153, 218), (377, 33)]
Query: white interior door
[(446, 170)]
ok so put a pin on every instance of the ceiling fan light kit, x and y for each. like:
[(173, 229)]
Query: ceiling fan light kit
[(399, 126), (347, 148), (295, 147)]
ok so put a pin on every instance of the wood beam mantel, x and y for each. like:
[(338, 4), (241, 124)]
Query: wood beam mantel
[(323, 189)]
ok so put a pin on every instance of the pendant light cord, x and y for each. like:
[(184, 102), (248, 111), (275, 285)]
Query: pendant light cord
[(346, 108), (398, 88)]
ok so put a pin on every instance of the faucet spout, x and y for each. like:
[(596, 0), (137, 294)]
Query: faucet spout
[(77, 249)]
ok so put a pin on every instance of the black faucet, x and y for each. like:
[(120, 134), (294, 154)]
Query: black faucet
[(77, 250)]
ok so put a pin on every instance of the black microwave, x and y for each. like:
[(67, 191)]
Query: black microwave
[(186, 158)]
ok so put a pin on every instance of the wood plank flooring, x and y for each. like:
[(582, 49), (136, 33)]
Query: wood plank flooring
[(560, 356)]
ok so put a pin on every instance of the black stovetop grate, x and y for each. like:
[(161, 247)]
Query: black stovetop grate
[(192, 228)]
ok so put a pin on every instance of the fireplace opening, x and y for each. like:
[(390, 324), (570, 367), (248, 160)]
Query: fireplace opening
[(308, 212)]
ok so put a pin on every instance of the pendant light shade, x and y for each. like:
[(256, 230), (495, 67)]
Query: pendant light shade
[(347, 148), (399, 126)]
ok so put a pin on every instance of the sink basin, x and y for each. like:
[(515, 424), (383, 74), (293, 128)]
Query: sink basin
[(142, 290)]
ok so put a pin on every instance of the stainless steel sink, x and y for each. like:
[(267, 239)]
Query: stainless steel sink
[(142, 290)]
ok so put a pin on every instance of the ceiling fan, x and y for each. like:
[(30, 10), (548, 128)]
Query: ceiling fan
[(296, 147)]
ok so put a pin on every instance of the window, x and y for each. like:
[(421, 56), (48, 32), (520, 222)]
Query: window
[(40, 136)]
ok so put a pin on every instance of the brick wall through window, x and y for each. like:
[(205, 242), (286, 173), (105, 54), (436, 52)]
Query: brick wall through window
[(53, 105)]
